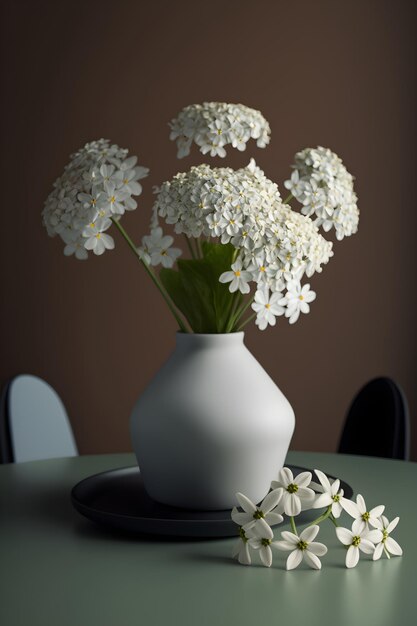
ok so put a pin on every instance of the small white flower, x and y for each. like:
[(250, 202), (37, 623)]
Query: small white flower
[(128, 181), (262, 541), (96, 239), (387, 543), (331, 495), (212, 125), (215, 147), (302, 547), (112, 199), (238, 278), (295, 493), (106, 174), (294, 184), (158, 248), (75, 247), (241, 550), (257, 517), (363, 541), (266, 306), (362, 516), (297, 300)]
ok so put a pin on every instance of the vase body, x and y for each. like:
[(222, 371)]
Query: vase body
[(211, 423)]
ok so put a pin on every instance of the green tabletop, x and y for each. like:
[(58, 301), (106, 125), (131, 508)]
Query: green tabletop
[(58, 569)]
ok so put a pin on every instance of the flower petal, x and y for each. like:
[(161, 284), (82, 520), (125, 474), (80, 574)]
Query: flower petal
[(291, 537), (292, 504), (335, 487), (309, 533), (294, 559), (244, 557), (241, 518), (323, 500), (323, 479), (303, 479), (246, 504), (285, 477), (358, 526), (337, 509), (361, 504), (393, 547), (317, 548), (271, 500), (352, 556), (377, 511), (378, 552), (373, 535), (312, 560), (350, 507), (262, 529), (392, 524), (306, 494), (366, 546), (266, 555), (273, 518)]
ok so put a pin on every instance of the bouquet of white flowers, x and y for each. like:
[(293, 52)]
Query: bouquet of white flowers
[(238, 230)]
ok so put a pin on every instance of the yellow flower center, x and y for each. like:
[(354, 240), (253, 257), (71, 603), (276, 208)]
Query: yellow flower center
[(98, 236), (301, 297), (267, 306), (112, 199), (92, 224), (237, 273)]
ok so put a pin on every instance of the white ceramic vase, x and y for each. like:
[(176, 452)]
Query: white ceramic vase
[(211, 423)]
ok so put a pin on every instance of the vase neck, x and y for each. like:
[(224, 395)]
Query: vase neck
[(206, 340)]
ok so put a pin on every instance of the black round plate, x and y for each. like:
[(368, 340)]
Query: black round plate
[(118, 499)]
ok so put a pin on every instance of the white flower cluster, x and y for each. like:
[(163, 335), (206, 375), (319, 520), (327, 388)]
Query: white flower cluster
[(275, 245), (214, 125), (324, 187), (97, 184), (370, 532)]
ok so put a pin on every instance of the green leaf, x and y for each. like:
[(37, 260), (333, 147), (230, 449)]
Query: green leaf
[(195, 289), (171, 280), (197, 281)]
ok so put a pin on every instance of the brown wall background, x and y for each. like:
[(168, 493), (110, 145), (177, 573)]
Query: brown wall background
[(332, 73)]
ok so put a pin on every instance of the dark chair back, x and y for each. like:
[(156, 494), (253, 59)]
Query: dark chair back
[(377, 423)]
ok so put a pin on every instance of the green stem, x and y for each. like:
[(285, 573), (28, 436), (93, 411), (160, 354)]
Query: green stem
[(153, 276), (293, 526), (249, 319), (332, 519), (288, 198), (243, 309), (235, 304), (322, 517), (190, 247), (199, 248)]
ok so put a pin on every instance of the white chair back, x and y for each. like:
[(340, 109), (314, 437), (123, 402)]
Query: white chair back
[(38, 422)]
